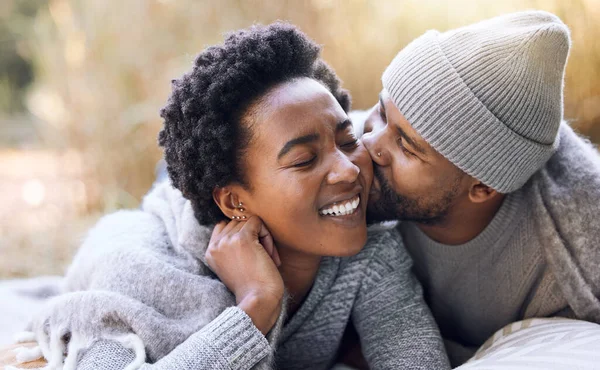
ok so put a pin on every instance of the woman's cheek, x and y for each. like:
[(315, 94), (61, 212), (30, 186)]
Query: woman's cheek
[(361, 151), (362, 159)]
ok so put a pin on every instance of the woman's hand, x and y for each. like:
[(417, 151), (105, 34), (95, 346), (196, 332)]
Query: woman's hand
[(244, 257)]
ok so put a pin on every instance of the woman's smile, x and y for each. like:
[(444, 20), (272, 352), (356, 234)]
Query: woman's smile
[(309, 174), (348, 212), (341, 208)]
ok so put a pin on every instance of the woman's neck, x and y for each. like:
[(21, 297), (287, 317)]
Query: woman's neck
[(298, 271)]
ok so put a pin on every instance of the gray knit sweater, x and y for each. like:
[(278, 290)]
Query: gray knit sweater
[(478, 287), (375, 289), (538, 257)]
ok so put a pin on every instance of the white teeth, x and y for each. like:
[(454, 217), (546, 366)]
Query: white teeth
[(342, 209)]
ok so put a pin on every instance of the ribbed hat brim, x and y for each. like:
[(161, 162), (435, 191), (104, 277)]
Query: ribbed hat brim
[(438, 104)]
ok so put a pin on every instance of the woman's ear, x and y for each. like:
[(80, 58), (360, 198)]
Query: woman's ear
[(479, 192), (228, 200)]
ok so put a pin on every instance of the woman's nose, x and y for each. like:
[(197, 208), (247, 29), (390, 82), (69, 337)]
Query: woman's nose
[(343, 170), (374, 141)]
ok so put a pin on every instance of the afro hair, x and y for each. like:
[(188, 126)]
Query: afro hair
[(203, 135)]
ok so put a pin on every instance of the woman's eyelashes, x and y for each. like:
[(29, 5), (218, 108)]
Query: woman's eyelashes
[(306, 163), (347, 139), (349, 144), (352, 144)]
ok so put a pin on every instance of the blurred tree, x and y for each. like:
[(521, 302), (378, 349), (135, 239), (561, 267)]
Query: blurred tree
[(16, 73)]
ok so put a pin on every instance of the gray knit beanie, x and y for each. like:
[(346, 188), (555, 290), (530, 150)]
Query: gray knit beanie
[(489, 96)]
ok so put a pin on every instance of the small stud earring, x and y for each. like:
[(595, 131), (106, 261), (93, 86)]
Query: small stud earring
[(379, 154), (240, 204), (242, 209), (244, 217)]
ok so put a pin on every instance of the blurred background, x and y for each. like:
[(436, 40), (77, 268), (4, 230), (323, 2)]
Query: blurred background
[(81, 84)]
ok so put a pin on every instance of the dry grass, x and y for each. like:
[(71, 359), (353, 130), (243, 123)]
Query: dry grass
[(103, 70)]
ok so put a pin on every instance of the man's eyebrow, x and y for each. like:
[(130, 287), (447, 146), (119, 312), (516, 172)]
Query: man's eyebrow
[(413, 143), (297, 141), (410, 141), (342, 125)]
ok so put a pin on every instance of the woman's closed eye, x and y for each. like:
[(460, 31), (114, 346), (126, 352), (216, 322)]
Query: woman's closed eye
[(304, 162), (349, 145), (346, 139)]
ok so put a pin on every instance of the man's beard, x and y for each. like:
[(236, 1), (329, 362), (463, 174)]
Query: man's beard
[(393, 206)]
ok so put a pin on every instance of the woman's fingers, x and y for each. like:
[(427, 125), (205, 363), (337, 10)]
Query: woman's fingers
[(218, 229), (218, 232), (237, 227), (256, 229), (224, 228), (248, 268), (266, 239)]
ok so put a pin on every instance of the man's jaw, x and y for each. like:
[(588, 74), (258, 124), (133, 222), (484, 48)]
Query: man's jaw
[(387, 205), (383, 201)]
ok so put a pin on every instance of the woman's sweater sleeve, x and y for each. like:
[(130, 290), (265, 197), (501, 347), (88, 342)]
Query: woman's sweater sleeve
[(395, 326), (230, 341)]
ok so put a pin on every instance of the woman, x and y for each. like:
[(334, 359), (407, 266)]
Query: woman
[(257, 142)]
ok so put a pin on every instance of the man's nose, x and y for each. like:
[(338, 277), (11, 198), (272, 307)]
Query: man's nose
[(373, 121), (374, 141)]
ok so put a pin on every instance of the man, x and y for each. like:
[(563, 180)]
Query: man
[(496, 194)]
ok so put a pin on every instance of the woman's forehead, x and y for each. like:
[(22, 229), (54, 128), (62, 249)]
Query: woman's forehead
[(298, 108), (302, 101)]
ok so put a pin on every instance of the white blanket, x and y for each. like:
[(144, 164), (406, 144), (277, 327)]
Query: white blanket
[(541, 344), (20, 299)]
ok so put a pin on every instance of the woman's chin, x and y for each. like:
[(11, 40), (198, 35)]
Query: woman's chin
[(351, 246), (346, 235)]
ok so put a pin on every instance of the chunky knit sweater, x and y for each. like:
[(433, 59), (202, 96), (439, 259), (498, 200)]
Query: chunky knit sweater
[(497, 278), (538, 257), (375, 289)]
